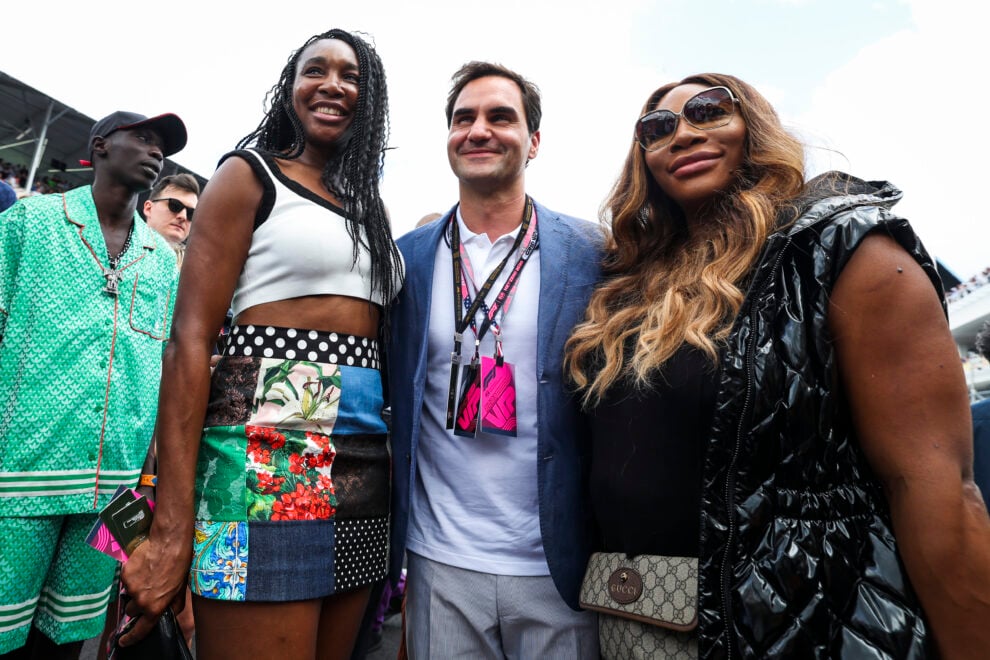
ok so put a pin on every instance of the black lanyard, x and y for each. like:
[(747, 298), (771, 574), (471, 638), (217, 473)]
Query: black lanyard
[(462, 318)]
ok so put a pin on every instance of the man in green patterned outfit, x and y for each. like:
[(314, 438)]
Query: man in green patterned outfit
[(86, 291)]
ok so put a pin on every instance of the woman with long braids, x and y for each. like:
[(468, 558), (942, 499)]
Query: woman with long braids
[(777, 405), (272, 492)]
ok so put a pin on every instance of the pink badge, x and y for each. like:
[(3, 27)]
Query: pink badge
[(498, 397)]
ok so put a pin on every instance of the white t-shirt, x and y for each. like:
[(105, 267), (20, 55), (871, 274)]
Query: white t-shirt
[(475, 503)]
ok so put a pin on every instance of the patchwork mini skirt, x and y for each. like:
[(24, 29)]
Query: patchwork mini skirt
[(292, 482)]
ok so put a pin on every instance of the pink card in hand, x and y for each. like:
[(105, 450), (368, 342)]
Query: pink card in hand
[(498, 397), (101, 538)]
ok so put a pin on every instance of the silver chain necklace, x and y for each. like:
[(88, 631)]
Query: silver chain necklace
[(113, 274)]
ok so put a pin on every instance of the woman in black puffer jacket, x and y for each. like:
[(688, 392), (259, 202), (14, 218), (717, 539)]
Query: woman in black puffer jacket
[(773, 388)]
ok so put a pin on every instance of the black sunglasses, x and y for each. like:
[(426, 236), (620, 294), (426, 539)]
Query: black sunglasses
[(175, 206), (708, 109)]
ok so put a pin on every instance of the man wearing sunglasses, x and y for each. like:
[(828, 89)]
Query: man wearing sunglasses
[(86, 291), (169, 208)]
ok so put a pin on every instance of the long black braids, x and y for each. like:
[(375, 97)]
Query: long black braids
[(354, 171)]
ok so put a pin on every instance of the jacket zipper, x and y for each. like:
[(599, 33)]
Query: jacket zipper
[(730, 482)]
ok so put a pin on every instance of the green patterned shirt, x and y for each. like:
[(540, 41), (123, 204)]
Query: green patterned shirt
[(79, 367)]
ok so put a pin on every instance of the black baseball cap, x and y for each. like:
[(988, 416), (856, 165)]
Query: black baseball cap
[(168, 126)]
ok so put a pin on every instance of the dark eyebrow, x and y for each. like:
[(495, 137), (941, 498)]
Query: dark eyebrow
[(497, 110), (316, 59), (324, 62), (503, 110)]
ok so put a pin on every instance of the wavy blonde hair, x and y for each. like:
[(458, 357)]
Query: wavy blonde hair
[(667, 283)]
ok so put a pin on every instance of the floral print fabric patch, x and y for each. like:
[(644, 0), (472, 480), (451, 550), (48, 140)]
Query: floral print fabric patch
[(294, 394), (288, 475), (220, 560), (261, 473)]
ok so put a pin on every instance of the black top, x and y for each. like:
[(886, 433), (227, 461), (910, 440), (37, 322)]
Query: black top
[(646, 458)]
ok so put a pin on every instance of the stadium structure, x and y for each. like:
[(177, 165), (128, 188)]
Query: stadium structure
[(47, 138)]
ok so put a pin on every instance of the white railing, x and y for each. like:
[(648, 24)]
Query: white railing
[(979, 292), (970, 308)]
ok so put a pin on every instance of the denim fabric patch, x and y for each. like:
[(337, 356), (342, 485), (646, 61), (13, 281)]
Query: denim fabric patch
[(291, 560), (361, 402)]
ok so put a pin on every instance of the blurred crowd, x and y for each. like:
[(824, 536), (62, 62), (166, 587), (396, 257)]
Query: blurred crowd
[(16, 177), (963, 289)]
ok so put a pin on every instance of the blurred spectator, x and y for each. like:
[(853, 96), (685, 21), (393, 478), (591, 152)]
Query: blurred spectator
[(7, 196), (169, 209), (428, 218), (981, 426)]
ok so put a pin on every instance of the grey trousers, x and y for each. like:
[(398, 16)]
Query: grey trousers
[(456, 613)]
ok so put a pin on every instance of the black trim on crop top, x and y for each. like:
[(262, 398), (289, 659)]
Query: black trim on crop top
[(268, 194)]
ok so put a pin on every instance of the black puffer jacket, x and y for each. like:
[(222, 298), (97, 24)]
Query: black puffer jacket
[(811, 568)]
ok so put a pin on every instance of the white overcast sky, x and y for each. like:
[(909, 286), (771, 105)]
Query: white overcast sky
[(884, 89)]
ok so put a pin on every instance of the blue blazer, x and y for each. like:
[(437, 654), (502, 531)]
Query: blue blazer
[(570, 266)]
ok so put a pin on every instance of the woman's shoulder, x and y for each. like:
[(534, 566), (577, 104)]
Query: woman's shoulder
[(833, 195), (835, 183), (241, 183), (246, 162)]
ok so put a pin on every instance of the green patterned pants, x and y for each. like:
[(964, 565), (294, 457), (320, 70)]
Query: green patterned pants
[(52, 579)]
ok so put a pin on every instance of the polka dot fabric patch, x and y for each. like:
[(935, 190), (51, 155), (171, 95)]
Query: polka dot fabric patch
[(310, 345), (361, 552)]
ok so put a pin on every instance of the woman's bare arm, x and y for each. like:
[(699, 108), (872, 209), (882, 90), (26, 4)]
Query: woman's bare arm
[(155, 573), (906, 388)]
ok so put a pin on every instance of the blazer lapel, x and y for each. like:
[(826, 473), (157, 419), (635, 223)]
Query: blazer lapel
[(420, 262), (555, 240)]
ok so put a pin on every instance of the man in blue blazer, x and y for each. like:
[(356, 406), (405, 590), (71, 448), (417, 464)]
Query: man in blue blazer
[(490, 498)]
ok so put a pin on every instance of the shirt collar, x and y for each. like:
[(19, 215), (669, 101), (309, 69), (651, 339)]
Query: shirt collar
[(468, 236)]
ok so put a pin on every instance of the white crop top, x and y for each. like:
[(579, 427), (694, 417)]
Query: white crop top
[(300, 245)]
